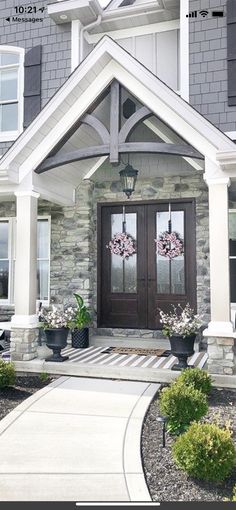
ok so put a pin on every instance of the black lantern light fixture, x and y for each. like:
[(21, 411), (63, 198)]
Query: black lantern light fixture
[(128, 177)]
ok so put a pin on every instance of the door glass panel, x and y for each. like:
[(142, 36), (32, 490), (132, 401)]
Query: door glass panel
[(4, 276), (124, 271), (43, 236), (170, 273), (42, 279), (3, 239)]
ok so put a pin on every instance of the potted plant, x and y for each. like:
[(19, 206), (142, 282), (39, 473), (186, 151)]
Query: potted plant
[(79, 324), (181, 327), (56, 327)]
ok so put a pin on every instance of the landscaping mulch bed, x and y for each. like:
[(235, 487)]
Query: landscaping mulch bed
[(24, 387), (165, 481)]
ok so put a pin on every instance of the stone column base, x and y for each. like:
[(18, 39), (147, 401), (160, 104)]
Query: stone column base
[(222, 359), (24, 343)]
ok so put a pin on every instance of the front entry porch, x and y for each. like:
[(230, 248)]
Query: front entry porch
[(68, 162)]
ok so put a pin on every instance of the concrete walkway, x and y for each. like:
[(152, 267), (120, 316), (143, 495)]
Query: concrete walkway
[(77, 439)]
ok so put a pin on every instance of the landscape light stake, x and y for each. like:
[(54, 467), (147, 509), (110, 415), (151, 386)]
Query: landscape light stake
[(163, 420)]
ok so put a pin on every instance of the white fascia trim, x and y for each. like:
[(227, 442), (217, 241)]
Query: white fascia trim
[(62, 6), (123, 33), (226, 157), (53, 104), (140, 81), (75, 41), (231, 134), (131, 10)]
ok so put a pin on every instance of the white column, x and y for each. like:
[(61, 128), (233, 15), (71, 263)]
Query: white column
[(26, 260), (219, 257)]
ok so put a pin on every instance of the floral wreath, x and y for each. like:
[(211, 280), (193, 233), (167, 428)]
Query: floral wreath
[(122, 244), (169, 244)]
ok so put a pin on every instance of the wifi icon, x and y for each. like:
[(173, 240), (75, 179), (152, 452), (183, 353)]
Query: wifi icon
[(203, 13)]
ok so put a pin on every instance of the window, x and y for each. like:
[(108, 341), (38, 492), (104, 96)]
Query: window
[(232, 254), (7, 259), (11, 92)]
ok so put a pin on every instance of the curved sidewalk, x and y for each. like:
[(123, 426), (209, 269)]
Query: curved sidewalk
[(77, 439)]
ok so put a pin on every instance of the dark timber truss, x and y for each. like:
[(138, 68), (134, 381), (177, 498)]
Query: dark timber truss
[(116, 141)]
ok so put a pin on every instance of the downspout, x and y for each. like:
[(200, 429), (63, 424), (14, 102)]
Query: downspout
[(87, 27)]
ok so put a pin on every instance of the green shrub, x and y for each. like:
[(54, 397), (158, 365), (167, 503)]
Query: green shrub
[(196, 377), (234, 494), (7, 374), (205, 452), (182, 405), (43, 377)]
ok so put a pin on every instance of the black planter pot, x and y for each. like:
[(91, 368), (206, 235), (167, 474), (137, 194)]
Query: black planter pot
[(80, 338), (56, 339), (182, 348)]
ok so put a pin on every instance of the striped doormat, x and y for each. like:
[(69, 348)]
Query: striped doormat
[(138, 351)]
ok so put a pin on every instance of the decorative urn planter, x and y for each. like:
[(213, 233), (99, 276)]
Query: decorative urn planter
[(80, 338), (56, 339), (182, 348)]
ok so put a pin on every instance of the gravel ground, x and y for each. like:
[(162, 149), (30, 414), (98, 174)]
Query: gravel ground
[(165, 481), (22, 389)]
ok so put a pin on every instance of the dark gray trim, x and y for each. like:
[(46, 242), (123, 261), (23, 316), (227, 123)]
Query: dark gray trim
[(104, 150), (99, 127), (141, 114), (114, 121)]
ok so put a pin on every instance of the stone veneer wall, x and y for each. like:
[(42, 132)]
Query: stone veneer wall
[(222, 355), (74, 240)]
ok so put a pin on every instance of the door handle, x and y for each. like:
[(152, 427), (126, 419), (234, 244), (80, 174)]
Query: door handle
[(150, 279)]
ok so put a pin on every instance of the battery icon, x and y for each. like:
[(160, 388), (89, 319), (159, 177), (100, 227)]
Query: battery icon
[(218, 14)]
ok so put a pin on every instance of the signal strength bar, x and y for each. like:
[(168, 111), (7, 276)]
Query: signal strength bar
[(192, 14)]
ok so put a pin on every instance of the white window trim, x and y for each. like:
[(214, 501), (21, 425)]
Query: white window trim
[(11, 258), (8, 136), (10, 220)]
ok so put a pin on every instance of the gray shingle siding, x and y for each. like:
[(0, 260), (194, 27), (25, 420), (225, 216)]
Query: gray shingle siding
[(55, 40), (208, 65)]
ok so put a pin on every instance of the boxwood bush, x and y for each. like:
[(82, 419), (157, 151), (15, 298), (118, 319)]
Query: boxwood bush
[(182, 405), (205, 452), (196, 377), (7, 374)]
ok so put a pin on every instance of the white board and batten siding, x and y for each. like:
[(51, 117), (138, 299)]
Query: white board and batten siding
[(159, 52)]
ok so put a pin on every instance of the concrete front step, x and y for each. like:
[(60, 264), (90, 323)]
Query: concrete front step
[(122, 341), (139, 342)]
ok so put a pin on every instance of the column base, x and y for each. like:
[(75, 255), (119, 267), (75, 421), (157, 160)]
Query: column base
[(218, 329), (24, 321), (24, 343), (222, 359)]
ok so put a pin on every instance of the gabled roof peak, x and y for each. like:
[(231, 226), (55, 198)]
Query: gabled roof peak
[(117, 4)]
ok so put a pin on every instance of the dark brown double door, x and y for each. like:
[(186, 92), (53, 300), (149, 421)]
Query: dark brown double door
[(130, 291)]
